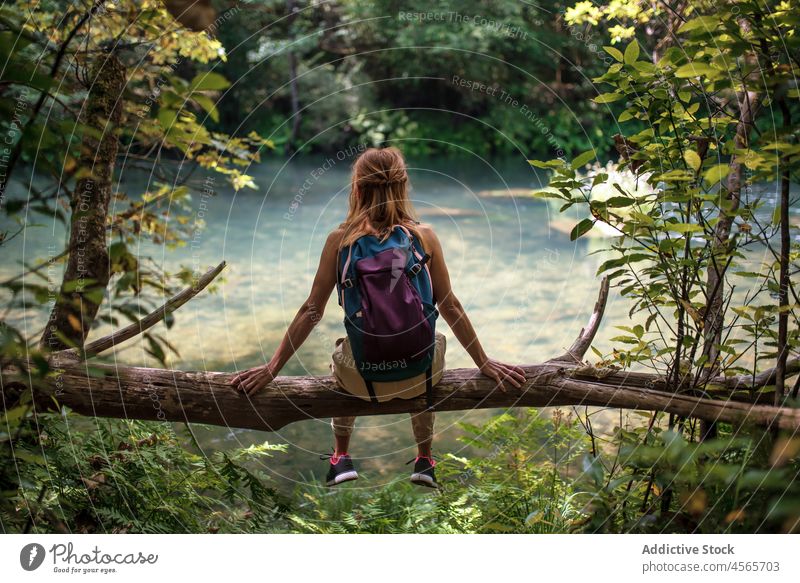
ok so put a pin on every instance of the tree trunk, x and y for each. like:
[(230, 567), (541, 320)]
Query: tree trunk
[(87, 272), (206, 397), (783, 283), (715, 279)]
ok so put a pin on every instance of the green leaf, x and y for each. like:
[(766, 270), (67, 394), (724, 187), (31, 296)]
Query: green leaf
[(155, 349), (746, 274), (696, 70), (614, 484), (620, 261), (706, 23), (167, 118), (692, 160), (644, 67), (593, 468), (581, 229), (13, 415), (616, 53), (94, 295), (117, 250), (208, 104), (632, 52), (716, 173), (683, 227), (545, 193), (546, 165), (583, 159), (608, 97), (209, 82), (676, 176), (618, 201)]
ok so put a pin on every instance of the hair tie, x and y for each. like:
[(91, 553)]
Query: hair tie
[(387, 182)]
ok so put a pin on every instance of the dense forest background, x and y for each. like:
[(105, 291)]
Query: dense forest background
[(695, 103), (389, 70)]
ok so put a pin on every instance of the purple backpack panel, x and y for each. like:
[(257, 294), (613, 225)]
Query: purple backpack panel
[(394, 326)]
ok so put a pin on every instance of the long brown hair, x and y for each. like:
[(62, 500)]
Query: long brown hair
[(378, 196)]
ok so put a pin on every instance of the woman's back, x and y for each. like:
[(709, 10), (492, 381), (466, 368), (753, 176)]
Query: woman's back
[(379, 207)]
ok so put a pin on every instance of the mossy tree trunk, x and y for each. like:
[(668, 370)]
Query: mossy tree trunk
[(87, 271)]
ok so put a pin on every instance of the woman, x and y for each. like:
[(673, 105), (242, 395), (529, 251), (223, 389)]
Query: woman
[(379, 205)]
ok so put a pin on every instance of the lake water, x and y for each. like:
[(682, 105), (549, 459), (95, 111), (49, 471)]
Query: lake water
[(526, 288)]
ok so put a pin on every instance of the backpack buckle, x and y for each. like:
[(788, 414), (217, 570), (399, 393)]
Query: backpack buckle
[(417, 267), (347, 283)]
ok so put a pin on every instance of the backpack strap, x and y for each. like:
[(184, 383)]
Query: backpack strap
[(371, 390), (421, 259), (346, 282)]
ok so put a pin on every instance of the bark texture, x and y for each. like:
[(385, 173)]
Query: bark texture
[(87, 271), (715, 279), (206, 397)]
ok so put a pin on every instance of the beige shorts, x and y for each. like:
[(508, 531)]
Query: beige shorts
[(344, 369)]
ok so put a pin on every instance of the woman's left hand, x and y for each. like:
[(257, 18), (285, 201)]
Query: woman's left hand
[(253, 380)]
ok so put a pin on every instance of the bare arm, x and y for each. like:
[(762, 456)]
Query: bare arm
[(309, 314), (453, 313)]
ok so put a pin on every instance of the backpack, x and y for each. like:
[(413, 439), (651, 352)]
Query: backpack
[(386, 292)]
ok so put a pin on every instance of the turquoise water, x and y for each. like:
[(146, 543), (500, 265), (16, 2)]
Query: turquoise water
[(526, 287)]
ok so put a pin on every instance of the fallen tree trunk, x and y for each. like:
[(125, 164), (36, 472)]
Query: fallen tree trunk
[(207, 397)]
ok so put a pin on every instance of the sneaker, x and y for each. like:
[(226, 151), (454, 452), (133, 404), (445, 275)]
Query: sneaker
[(423, 472), (341, 469)]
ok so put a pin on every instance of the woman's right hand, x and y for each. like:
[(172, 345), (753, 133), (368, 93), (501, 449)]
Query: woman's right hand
[(253, 379), (503, 373)]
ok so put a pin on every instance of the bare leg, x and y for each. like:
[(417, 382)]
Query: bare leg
[(342, 430), (422, 425), (342, 444)]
